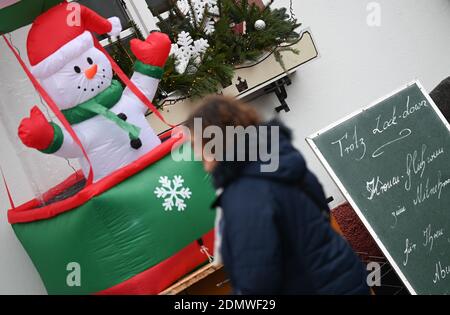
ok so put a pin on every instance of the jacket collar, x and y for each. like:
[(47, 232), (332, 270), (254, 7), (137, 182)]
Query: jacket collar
[(227, 171)]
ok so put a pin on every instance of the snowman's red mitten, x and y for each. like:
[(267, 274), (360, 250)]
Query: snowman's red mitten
[(151, 54), (36, 132)]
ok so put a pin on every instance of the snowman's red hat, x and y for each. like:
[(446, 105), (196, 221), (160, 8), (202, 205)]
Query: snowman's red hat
[(63, 33)]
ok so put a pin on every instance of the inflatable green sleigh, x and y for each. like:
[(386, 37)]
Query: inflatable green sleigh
[(135, 231)]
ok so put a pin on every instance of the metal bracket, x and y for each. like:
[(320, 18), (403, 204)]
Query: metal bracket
[(279, 88)]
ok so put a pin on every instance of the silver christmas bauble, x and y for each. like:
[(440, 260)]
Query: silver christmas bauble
[(260, 25)]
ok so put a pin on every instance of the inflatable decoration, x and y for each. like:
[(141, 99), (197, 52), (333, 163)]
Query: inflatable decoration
[(132, 219)]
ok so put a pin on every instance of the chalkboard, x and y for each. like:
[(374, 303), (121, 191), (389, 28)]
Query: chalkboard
[(391, 162)]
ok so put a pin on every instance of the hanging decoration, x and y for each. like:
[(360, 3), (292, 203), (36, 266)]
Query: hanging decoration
[(260, 25), (186, 50), (212, 37), (200, 12)]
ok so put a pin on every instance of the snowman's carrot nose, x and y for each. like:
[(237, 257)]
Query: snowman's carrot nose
[(91, 72)]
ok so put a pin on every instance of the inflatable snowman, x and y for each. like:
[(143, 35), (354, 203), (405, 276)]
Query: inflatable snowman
[(109, 120)]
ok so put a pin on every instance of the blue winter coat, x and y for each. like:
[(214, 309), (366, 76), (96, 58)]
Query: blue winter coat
[(275, 236)]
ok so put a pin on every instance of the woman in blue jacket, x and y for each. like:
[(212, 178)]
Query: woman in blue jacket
[(274, 234)]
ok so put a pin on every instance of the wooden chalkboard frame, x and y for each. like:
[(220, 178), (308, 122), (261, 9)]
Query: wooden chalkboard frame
[(329, 169)]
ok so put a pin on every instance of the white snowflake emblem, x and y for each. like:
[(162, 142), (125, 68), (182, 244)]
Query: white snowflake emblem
[(173, 193)]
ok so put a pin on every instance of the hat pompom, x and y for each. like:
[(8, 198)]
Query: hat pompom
[(116, 26)]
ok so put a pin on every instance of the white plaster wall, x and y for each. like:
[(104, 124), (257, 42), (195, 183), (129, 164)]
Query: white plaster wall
[(358, 64)]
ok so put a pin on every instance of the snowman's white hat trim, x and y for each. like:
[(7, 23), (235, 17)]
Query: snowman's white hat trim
[(62, 56)]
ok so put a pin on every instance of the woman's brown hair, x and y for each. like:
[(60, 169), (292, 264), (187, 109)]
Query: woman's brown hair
[(222, 111)]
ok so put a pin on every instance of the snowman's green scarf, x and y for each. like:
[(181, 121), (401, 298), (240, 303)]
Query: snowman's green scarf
[(100, 105)]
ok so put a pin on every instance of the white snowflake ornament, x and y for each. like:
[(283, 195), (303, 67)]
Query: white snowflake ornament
[(186, 49), (196, 13), (210, 27), (200, 47), (173, 193), (183, 6)]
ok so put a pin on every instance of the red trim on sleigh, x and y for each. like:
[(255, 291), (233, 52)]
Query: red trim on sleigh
[(159, 277), (30, 211)]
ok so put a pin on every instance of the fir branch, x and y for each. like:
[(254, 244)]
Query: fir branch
[(227, 48)]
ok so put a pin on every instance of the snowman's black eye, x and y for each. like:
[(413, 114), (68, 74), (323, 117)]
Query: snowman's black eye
[(90, 61), (77, 69)]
